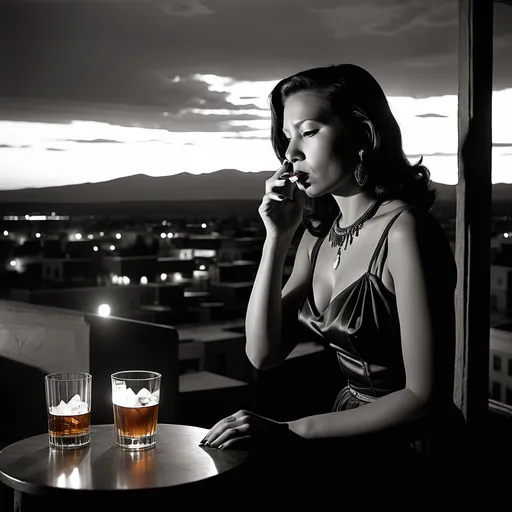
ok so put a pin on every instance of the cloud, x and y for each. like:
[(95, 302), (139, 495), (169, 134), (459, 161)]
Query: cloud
[(137, 49), (430, 115), (54, 149), (419, 155), (184, 104), (431, 61), (502, 144), (183, 8), (388, 17), (95, 141), (9, 146)]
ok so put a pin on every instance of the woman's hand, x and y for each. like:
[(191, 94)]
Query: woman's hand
[(244, 429), (282, 205)]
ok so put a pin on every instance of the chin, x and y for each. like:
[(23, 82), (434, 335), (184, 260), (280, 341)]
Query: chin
[(313, 191)]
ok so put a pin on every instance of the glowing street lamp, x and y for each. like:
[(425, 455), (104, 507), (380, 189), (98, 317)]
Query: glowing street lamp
[(104, 310)]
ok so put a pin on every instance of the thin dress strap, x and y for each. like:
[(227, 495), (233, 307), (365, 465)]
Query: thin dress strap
[(381, 242)]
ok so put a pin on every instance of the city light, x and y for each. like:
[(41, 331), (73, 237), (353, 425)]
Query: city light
[(118, 236), (90, 237), (203, 225), (78, 236), (104, 310), (12, 263), (202, 267), (38, 235), (36, 217), (95, 248), (6, 233), (162, 235), (112, 247), (143, 280), (126, 280), (170, 235), (102, 233), (163, 276)]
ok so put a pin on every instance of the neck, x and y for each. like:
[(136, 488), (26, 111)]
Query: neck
[(352, 207)]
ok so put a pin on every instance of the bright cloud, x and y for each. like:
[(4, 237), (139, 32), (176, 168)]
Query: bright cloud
[(36, 154)]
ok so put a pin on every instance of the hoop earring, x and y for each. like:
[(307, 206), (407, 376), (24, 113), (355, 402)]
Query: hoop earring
[(361, 174)]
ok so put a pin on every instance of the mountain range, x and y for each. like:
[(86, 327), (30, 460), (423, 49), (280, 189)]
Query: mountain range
[(222, 185)]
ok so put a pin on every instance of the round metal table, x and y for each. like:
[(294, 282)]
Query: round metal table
[(104, 473)]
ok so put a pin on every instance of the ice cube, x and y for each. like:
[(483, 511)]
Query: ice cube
[(126, 398), (78, 408), (61, 408), (143, 393), (143, 396), (74, 407), (54, 408)]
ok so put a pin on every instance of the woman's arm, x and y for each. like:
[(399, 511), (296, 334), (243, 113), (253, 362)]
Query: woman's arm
[(411, 272), (271, 324)]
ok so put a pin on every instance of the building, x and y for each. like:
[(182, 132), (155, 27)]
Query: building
[(501, 289), (500, 363)]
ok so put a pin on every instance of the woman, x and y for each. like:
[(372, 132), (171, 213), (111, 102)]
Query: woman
[(373, 278)]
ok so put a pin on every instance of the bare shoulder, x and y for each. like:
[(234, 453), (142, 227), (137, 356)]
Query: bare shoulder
[(406, 228), (416, 225), (418, 235)]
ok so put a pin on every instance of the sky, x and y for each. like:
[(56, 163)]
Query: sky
[(93, 90)]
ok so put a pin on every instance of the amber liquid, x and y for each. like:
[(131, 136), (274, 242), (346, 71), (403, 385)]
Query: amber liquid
[(136, 421), (77, 425)]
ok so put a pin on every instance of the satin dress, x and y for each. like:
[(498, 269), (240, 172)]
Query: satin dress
[(362, 328)]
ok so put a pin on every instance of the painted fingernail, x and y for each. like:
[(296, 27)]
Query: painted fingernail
[(202, 441), (221, 447)]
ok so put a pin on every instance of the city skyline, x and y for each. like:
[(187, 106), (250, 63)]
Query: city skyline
[(122, 87)]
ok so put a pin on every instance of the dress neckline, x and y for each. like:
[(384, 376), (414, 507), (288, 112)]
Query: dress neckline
[(368, 274)]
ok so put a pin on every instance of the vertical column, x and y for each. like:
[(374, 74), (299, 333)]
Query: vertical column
[(473, 221)]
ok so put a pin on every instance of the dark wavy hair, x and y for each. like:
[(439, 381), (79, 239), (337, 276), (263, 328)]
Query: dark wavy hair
[(352, 93)]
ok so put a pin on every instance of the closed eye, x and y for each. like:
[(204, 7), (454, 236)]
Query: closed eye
[(308, 133)]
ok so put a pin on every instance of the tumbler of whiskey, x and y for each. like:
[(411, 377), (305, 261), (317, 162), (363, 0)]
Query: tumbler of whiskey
[(68, 402), (135, 400)]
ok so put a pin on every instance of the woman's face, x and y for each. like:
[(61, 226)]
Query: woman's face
[(318, 145)]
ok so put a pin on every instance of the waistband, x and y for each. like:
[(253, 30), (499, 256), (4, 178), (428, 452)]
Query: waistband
[(362, 396)]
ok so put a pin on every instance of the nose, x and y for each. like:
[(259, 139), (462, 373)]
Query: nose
[(293, 153)]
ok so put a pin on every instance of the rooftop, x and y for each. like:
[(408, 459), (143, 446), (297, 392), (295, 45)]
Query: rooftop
[(504, 326)]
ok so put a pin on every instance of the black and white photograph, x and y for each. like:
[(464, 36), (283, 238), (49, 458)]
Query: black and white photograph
[(255, 253)]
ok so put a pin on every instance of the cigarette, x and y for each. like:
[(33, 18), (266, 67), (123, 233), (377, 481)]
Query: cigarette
[(296, 177)]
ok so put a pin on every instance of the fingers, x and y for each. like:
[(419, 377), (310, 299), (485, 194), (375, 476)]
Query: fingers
[(228, 434), (279, 178), (269, 202), (237, 443), (285, 166), (231, 421)]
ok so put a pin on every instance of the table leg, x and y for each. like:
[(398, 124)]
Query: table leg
[(17, 501)]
